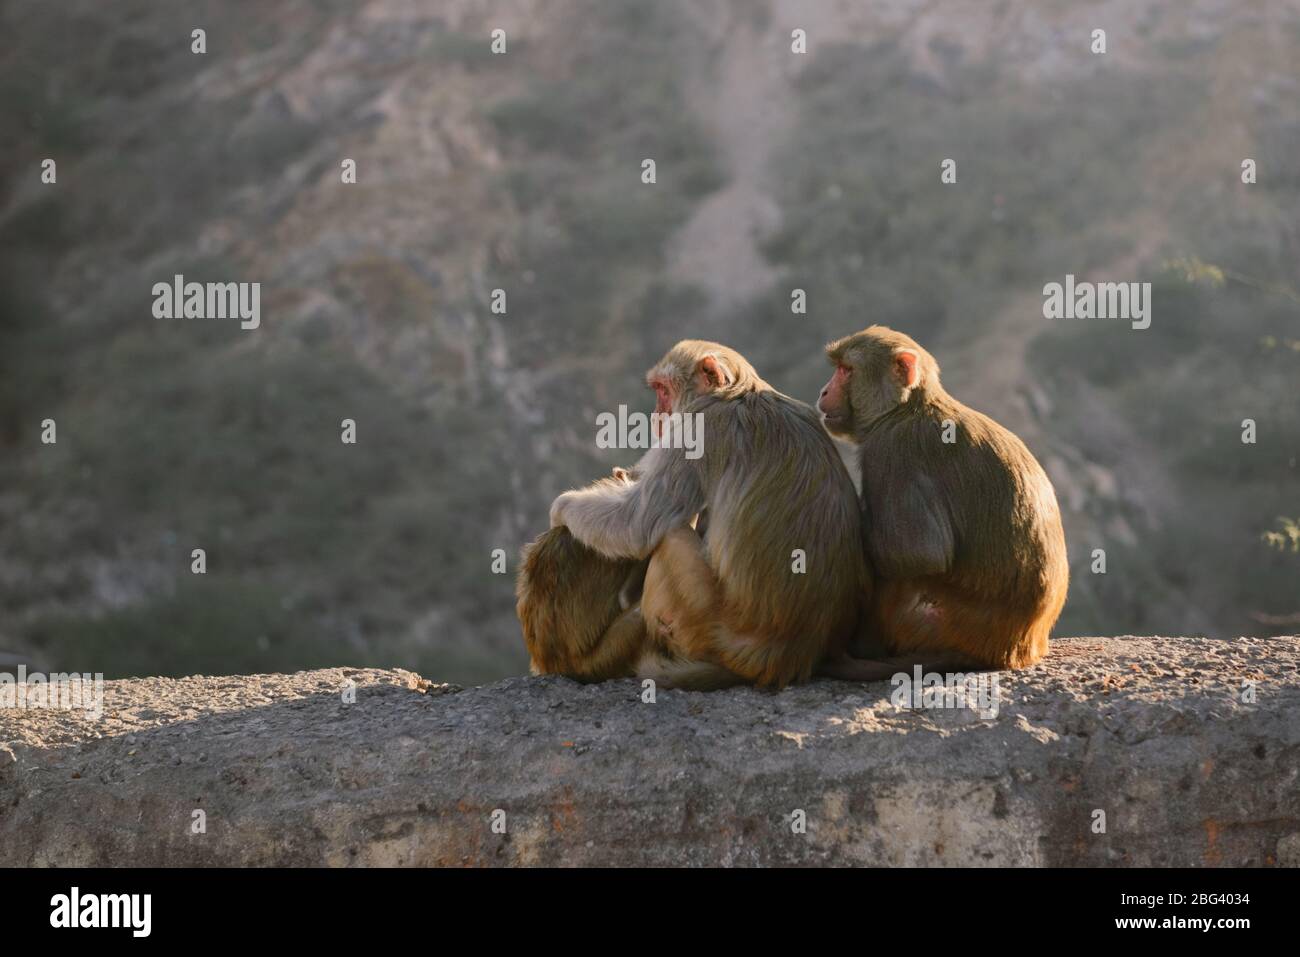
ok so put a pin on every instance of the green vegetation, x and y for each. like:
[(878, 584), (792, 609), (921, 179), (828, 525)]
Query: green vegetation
[(523, 172), (177, 435), (590, 231), (1286, 537)]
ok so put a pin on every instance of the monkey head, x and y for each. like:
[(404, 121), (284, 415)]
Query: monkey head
[(876, 370), (694, 368)]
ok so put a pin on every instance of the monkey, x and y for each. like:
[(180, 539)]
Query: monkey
[(579, 610), (732, 605), (962, 528)]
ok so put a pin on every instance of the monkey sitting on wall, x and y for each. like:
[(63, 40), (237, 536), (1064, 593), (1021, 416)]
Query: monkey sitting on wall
[(775, 587), (580, 611), (961, 523)]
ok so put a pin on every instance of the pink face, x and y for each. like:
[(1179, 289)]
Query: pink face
[(663, 395), (833, 403), (663, 403)]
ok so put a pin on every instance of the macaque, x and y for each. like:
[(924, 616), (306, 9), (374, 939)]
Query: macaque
[(962, 529), (579, 610), (773, 588)]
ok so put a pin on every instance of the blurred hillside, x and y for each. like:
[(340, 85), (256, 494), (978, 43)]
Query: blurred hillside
[(522, 172)]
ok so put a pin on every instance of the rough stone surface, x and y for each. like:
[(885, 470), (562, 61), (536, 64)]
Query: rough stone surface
[(1152, 731)]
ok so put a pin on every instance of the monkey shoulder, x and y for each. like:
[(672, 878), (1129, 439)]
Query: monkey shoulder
[(763, 412), (770, 402), (960, 440), (799, 415), (1000, 450)]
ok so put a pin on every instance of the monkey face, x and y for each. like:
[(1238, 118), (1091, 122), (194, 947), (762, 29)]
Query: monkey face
[(875, 370), (665, 397), (836, 403)]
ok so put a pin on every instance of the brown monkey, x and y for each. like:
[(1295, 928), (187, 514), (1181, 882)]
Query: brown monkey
[(579, 610), (961, 522), (736, 605)]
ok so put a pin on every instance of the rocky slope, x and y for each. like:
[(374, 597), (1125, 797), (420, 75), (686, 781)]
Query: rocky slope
[(520, 172)]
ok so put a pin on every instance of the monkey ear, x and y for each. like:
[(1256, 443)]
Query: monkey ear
[(714, 372), (907, 368)]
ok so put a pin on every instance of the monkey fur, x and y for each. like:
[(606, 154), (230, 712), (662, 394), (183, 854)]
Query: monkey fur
[(961, 523), (579, 610), (731, 607)]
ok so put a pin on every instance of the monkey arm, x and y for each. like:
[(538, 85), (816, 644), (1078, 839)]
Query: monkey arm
[(628, 521), (908, 526)]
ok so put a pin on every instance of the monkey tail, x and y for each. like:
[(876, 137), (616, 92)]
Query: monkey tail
[(847, 668), (765, 661), (686, 675)]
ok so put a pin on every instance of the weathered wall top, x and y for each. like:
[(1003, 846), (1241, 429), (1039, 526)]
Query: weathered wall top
[(1160, 734)]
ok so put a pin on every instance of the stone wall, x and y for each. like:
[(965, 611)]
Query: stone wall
[(1190, 748)]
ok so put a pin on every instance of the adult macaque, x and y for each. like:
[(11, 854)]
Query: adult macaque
[(961, 523), (579, 610), (775, 585)]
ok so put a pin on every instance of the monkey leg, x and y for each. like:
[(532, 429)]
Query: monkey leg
[(618, 650), (679, 603), (669, 672), (630, 594), (942, 630), (913, 629), (695, 645), (680, 598)]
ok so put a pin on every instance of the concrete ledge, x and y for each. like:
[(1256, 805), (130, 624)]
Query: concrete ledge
[(1152, 731)]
